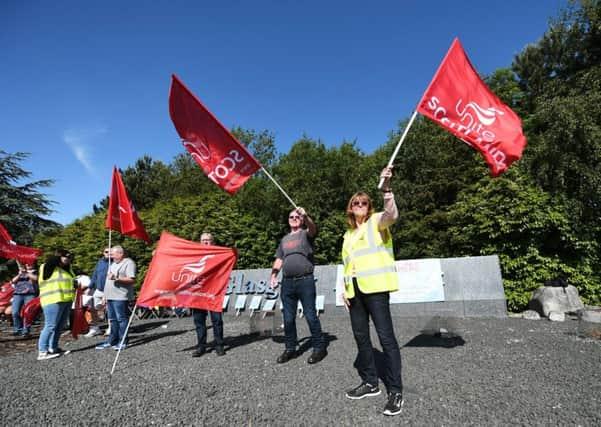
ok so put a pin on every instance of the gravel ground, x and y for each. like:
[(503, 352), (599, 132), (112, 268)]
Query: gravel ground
[(483, 372)]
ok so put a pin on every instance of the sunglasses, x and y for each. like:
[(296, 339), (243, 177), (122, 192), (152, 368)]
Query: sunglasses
[(106, 252), (360, 203), (294, 217)]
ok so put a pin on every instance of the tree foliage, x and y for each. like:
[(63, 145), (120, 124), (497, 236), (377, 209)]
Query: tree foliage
[(541, 218), (23, 205)]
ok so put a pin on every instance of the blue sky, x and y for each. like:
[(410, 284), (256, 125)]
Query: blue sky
[(84, 85)]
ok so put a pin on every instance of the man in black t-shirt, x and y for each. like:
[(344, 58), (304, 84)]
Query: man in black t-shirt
[(294, 257)]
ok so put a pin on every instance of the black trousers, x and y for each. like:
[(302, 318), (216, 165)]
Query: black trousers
[(377, 306)]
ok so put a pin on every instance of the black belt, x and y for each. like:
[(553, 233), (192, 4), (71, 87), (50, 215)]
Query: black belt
[(298, 277)]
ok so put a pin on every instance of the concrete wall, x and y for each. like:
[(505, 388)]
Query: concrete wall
[(473, 287)]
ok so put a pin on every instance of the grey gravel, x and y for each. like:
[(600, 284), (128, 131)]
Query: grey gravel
[(455, 372)]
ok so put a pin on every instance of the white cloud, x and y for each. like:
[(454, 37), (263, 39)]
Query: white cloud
[(79, 142)]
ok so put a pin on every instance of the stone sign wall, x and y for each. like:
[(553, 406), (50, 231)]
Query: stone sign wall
[(471, 287)]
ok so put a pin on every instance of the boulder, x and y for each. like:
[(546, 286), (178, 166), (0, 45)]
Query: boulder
[(589, 323), (531, 315), (557, 316), (558, 299)]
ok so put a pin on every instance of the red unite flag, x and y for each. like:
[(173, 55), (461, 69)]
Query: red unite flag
[(187, 274), (30, 310), (5, 235), (459, 101), (79, 324), (218, 153), (122, 215), (10, 250), (6, 294)]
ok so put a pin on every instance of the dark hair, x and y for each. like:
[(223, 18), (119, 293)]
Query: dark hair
[(60, 252)]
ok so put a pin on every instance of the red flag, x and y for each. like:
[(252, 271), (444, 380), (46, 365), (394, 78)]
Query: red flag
[(30, 310), (24, 254), (187, 274), (6, 294), (219, 154), (79, 324), (122, 215), (10, 250), (5, 235), (459, 101)]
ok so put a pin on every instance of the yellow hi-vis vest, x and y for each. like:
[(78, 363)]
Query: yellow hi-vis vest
[(372, 258), (57, 288)]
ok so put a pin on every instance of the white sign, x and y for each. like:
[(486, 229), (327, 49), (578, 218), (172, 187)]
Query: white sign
[(420, 280)]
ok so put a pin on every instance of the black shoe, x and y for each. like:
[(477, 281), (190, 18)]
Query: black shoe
[(363, 390), (220, 351), (317, 356), (394, 406), (286, 356), (198, 352)]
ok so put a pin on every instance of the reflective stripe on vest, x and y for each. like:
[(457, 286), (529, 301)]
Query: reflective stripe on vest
[(57, 288), (375, 269)]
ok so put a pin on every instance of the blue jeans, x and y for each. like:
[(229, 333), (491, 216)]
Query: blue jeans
[(18, 302), (118, 317), (376, 305), (200, 321), (55, 317), (302, 289)]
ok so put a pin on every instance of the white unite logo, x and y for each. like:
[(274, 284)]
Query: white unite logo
[(189, 271), (472, 123), (485, 116)]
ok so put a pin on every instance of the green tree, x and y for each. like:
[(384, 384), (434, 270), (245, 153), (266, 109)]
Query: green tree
[(23, 205), (432, 168), (572, 44), (561, 77), (528, 229), (147, 181)]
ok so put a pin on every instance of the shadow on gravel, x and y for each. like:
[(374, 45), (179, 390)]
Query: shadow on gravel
[(242, 340), (144, 327), (304, 344), (437, 339), (230, 343), (438, 331), (135, 341)]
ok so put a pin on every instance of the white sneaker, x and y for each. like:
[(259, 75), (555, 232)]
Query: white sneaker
[(92, 333), (59, 351), (44, 355)]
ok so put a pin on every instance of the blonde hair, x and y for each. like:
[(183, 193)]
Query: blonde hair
[(350, 216)]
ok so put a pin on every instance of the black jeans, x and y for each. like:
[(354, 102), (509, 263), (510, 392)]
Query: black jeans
[(376, 305), (200, 319)]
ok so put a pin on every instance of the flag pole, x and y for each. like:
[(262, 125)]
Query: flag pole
[(279, 187), (107, 272), (396, 150), (123, 339)]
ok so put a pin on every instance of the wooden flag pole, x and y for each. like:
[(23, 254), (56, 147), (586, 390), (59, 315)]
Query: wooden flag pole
[(123, 339), (279, 187), (396, 150)]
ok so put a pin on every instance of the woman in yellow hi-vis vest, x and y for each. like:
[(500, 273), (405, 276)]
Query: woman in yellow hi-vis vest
[(57, 292), (369, 277)]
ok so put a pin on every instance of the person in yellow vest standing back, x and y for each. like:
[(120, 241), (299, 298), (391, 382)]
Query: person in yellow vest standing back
[(57, 291), (369, 277)]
